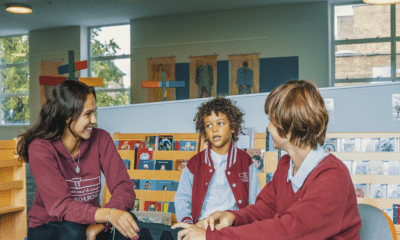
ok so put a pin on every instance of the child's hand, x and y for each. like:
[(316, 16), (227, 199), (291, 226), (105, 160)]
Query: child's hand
[(203, 224), (190, 232), (224, 219)]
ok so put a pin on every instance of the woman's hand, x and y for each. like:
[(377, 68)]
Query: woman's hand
[(203, 224), (224, 219), (190, 232), (93, 230), (124, 223)]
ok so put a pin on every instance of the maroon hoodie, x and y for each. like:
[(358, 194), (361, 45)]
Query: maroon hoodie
[(63, 194)]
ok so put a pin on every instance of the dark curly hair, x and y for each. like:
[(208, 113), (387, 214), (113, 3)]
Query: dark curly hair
[(220, 105)]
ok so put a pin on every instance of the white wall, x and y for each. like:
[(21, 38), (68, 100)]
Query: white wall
[(274, 31), (366, 108)]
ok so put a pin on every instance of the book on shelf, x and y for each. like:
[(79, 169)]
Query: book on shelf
[(180, 164), (127, 163), (395, 213), (393, 191), (165, 143), (142, 154), (378, 167), (245, 138), (387, 144), (394, 168), (154, 217), (389, 212), (348, 164), (361, 189), (269, 177), (377, 190), (257, 156), (348, 145), (129, 144), (136, 206), (330, 145), (369, 144), (136, 183), (147, 184), (146, 164), (164, 165), (360, 167), (171, 207), (153, 206), (186, 145), (167, 185), (150, 141)]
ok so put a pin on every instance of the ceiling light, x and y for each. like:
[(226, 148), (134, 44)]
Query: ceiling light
[(381, 2), (18, 8)]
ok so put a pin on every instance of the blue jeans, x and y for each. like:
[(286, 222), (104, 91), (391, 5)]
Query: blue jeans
[(66, 230)]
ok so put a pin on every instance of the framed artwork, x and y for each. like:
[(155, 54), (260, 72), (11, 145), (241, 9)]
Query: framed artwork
[(203, 76), (155, 67), (245, 74)]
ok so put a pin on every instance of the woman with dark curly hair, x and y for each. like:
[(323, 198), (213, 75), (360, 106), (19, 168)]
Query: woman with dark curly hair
[(222, 177)]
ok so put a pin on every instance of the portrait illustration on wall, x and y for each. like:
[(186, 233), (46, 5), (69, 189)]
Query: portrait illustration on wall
[(203, 76), (155, 69), (245, 74)]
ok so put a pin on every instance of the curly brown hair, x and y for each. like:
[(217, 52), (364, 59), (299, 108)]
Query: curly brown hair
[(220, 105)]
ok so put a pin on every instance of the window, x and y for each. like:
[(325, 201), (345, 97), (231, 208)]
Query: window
[(364, 40), (109, 58), (14, 80)]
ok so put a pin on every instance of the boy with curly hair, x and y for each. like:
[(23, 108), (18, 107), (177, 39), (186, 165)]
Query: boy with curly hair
[(221, 177)]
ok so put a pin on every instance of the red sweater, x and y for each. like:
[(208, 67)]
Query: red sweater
[(63, 194), (325, 207)]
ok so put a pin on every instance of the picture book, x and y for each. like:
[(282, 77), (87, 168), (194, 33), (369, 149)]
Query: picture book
[(165, 143), (147, 184), (166, 185), (377, 190), (360, 167), (143, 154), (330, 144), (127, 163), (136, 183), (245, 138), (389, 212), (361, 189), (395, 213), (393, 191), (165, 206), (348, 145), (154, 217), (348, 164), (150, 141), (153, 206), (180, 164), (394, 168), (129, 144), (146, 164), (186, 145), (257, 156), (269, 177), (376, 168), (387, 144), (369, 144), (171, 207), (116, 142), (164, 165), (136, 206)]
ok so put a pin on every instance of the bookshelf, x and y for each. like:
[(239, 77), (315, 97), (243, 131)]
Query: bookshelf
[(13, 220), (146, 195), (371, 179)]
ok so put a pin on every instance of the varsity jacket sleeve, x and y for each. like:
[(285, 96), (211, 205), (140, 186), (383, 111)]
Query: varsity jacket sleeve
[(118, 181), (318, 215), (183, 197), (254, 184), (53, 188)]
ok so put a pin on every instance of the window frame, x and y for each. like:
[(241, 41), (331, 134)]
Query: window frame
[(392, 39), (20, 94), (105, 58)]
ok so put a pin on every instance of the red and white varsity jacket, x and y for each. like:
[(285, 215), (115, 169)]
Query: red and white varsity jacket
[(193, 186)]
